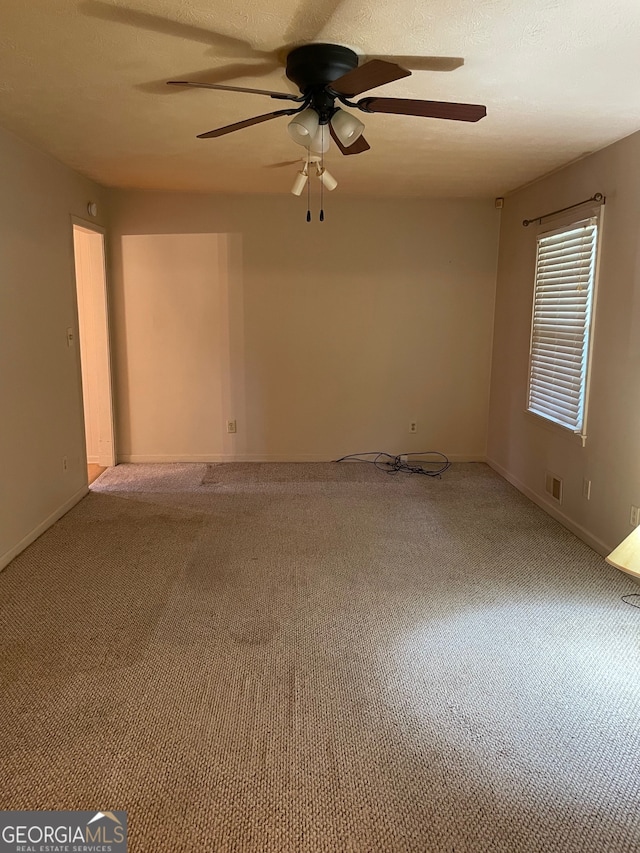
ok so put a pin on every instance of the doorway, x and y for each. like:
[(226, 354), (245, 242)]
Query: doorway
[(95, 354)]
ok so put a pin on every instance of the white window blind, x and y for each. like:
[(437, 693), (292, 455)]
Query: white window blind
[(565, 271)]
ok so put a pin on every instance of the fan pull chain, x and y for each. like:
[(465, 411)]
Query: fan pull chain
[(308, 191), (322, 173)]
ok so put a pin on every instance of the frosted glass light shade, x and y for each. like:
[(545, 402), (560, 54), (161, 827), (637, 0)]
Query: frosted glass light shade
[(321, 140), (303, 126), (347, 127)]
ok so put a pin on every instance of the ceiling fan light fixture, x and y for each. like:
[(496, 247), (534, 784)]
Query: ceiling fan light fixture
[(326, 178), (300, 182), (347, 127), (321, 140), (303, 126)]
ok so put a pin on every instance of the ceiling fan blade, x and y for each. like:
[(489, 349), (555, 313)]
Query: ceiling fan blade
[(425, 63), (374, 73), (284, 163), (356, 147), (239, 125), (428, 109), (283, 96), (230, 71)]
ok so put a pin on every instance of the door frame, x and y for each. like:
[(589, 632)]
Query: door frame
[(109, 457)]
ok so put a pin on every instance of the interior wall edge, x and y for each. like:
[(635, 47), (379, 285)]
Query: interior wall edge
[(582, 533), (41, 528)]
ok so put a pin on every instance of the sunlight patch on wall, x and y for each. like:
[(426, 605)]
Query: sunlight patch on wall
[(183, 375)]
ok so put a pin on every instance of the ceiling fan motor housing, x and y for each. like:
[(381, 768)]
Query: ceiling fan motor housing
[(316, 65)]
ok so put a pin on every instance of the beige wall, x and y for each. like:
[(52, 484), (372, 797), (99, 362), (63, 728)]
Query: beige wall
[(40, 399), (320, 339), (520, 446)]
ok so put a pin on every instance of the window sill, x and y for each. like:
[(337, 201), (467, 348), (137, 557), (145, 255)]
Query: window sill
[(556, 429)]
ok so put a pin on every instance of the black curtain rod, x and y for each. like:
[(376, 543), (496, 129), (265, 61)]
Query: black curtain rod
[(598, 197)]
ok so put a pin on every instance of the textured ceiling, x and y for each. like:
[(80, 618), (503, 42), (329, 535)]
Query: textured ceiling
[(85, 81)]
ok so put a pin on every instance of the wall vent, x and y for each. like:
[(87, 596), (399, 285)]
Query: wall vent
[(553, 487)]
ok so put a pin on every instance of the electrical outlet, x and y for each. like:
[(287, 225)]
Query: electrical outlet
[(231, 427), (413, 426), (65, 463), (70, 337), (634, 519), (404, 459), (586, 489)]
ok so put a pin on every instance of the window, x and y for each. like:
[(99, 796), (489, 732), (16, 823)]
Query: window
[(562, 309)]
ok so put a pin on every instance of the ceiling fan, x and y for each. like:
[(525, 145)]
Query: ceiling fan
[(324, 74)]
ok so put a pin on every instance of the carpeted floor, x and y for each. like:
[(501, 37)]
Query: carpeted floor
[(302, 659)]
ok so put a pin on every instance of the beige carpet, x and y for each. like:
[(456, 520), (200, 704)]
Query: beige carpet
[(304, 660)]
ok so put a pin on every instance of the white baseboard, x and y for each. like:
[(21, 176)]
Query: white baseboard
[(581, 532), (465, 457), (257, 457), (9, 555)]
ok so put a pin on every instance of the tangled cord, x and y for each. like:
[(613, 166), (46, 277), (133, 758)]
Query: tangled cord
[(394, 465)]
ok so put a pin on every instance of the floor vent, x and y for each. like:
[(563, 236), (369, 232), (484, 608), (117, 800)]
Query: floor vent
[(553, 486)]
